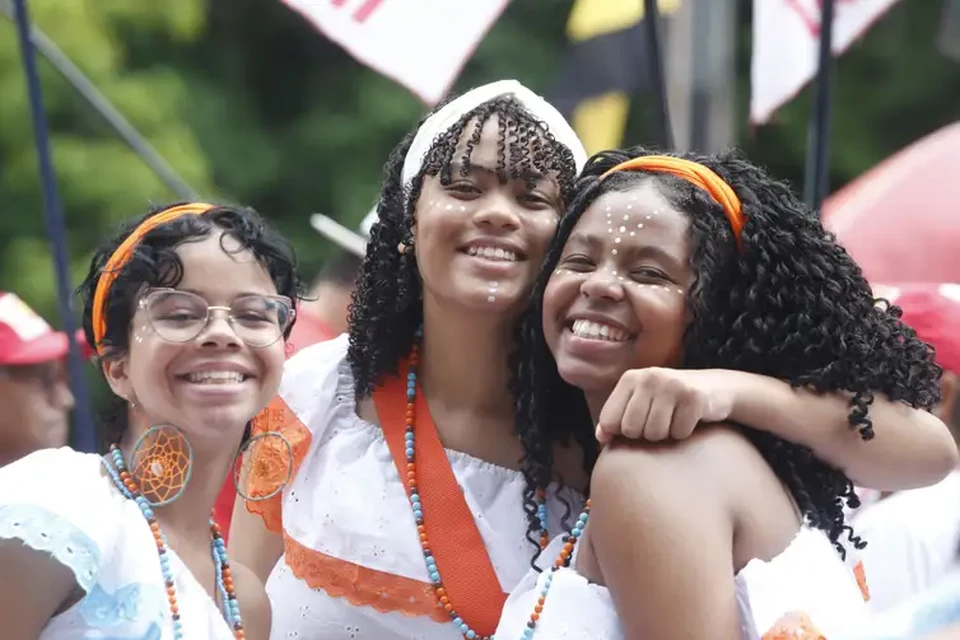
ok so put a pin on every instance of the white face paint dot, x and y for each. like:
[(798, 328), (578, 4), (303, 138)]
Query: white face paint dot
[(639, 225), (449, 207), (608, 207), (617, 240), (610, 230), (629, 206), (623, 228), (491, 299), (461, 209), (626, 217), (614, 252), (633, 233)]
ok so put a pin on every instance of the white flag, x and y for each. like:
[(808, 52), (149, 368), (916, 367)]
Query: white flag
[(786, 39), (421, 44)]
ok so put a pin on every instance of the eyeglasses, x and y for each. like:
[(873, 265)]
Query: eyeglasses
[(181, 316)]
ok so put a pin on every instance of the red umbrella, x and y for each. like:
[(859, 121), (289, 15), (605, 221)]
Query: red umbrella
[(901, 220)]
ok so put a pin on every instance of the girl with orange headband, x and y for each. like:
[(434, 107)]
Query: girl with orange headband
[(188, 309), (673, 269)]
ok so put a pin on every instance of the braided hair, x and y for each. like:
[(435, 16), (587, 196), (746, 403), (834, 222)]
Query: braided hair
[(386, 307), (791, 305)]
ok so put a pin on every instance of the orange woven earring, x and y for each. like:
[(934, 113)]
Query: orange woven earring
[(266, 468), (161, 464)]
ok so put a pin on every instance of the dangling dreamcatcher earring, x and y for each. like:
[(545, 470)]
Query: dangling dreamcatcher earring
[(266, 466), (161, 463)]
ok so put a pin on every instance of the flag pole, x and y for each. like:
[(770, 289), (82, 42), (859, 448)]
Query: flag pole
[(651, 20), (84, 435), (818, 140)]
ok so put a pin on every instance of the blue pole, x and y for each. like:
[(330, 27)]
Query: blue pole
[(84, 435)]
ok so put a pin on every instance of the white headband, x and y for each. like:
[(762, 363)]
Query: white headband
[(451, 113)]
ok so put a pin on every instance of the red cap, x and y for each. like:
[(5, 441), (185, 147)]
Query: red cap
[(933, 311), (25, 338)]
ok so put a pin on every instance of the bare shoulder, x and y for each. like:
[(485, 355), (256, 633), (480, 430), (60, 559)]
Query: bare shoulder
[(254, 604), (715, 483), (705, 458), (662, 514), (645, 478)]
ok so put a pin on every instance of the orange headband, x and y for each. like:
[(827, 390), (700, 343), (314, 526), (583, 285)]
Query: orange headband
[(696, 174), (122, 256)]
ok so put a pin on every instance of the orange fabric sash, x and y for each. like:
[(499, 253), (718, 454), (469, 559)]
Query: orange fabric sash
[(469, 578)]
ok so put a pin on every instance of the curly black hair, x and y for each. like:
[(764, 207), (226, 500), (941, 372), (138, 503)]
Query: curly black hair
[(156, 264), (792, 304), (386, 308)]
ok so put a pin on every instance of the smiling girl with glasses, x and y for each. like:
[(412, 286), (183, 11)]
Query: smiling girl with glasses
[(187, 308)]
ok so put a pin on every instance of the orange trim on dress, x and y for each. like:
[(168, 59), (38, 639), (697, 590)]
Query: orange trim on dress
[(795, 625), (358, 585), (270, 457), (861, 575), (362, 586)]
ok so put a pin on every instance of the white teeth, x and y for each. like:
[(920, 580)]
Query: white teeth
[(215, 377), (492, 253), (596, 331)]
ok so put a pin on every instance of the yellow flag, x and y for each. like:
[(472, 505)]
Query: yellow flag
[(592, 18), (601, 121)]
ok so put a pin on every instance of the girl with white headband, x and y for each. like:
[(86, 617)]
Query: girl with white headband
[(416, 505)]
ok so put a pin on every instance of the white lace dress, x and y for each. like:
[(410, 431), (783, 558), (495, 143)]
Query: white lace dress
[(60, 502), (353, 566), (913, 541), (805, 593)]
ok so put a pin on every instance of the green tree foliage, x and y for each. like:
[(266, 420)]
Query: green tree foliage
[(99, 179), (250, 104)]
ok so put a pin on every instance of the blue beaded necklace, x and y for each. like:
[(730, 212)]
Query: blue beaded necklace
[(230, 607), (563, 559)]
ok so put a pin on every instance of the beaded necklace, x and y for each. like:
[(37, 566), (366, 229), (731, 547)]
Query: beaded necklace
[(563, 558), (231, 608)]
